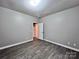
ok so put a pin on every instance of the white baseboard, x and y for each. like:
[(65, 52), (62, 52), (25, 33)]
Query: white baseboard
[(63, 45), (1, 48)]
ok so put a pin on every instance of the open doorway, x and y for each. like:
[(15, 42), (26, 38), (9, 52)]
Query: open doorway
[(35, 31), (38, 31)]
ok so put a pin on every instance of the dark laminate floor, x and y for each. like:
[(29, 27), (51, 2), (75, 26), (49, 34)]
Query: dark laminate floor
[(38, 50)]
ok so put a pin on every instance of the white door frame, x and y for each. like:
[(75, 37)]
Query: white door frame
[(41, 31)]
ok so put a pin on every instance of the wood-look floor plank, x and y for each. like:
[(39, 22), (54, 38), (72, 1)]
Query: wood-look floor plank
[(38, 50)]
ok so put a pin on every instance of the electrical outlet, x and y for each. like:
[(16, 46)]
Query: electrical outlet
[(68, 43), (74, 44)]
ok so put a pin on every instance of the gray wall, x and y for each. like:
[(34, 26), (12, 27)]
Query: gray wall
[(63, 27), (14, 27)]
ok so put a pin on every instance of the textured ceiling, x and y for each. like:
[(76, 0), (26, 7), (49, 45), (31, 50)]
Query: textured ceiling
[(44, 8)]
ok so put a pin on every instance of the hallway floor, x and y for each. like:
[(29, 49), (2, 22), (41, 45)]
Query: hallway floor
[(38, 50)]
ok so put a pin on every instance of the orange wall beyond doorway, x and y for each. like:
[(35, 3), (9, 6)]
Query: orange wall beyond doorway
[(36, 30)]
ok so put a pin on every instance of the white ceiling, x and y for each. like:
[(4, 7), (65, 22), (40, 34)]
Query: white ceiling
[(45, 7)]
